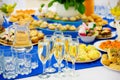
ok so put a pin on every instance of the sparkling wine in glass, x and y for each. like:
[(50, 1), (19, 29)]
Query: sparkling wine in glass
[(67, 40), (49, 40), (43, 56), (58, 37), (59, 54), (73, 52)]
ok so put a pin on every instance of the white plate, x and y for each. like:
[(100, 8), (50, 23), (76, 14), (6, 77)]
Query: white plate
[(112, 24), (97, 44), (109, 67), (113, 34)]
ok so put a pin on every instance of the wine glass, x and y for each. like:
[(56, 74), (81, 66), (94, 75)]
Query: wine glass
[(67, 40), (49, 39), (43, 55), (59, 54), (73, 52), (58, 37)]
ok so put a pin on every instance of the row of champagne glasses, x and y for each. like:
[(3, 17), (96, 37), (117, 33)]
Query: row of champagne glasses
[(62, 46)]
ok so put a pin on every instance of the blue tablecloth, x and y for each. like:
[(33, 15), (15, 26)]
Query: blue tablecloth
[(38, 70)]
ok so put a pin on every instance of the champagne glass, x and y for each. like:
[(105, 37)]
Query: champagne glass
[(73, 52), (59, 54), (49, 39), (58, 37), (43, 56), (67, 40)]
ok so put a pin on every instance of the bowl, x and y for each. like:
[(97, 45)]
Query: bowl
[(87, 39)]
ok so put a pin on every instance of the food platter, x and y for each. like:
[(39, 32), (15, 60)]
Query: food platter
[(5, 44), (75, 23), (7, 40), (86, 54), (113, 34), (109, 67), (88, 61), (106, 44), (97, 44)]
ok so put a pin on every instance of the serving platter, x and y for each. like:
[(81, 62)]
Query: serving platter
[(113, 34), (97, 44), (109, 67), (88, 61)]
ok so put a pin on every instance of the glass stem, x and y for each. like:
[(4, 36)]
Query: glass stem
[(59, 68), (73, 65), (50, 62), (66, 64), (44, 68)]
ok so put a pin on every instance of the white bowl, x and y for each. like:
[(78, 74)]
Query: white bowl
[(87, 39)]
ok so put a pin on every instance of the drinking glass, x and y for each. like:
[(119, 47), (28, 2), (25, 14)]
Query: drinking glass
[(43, 56), (23, 63), (73, 51), (59, 54), (10, 69), (34, 59), (1, 60), (49, 39), (67, 40), (58, 37)]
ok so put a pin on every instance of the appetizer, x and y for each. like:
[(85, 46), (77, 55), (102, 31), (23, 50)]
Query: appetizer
[(87, 53), (104, 33), (112, 59), (110, 44)]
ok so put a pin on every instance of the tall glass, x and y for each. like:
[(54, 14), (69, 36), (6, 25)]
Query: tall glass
[(10, 69), (73, 52), (43, 56), (67, 41), (49, 39), (59, 54), (34, 59), (23, 63), (58, 37)]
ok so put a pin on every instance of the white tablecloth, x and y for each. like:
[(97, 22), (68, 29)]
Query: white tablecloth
[(96, 73)]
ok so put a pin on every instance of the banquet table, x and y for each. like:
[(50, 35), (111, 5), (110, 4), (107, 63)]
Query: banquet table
[(85, 71)]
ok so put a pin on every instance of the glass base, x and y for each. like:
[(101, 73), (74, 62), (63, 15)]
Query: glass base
[(56, 65), (43, 76), (66, 69), (50, 70)]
